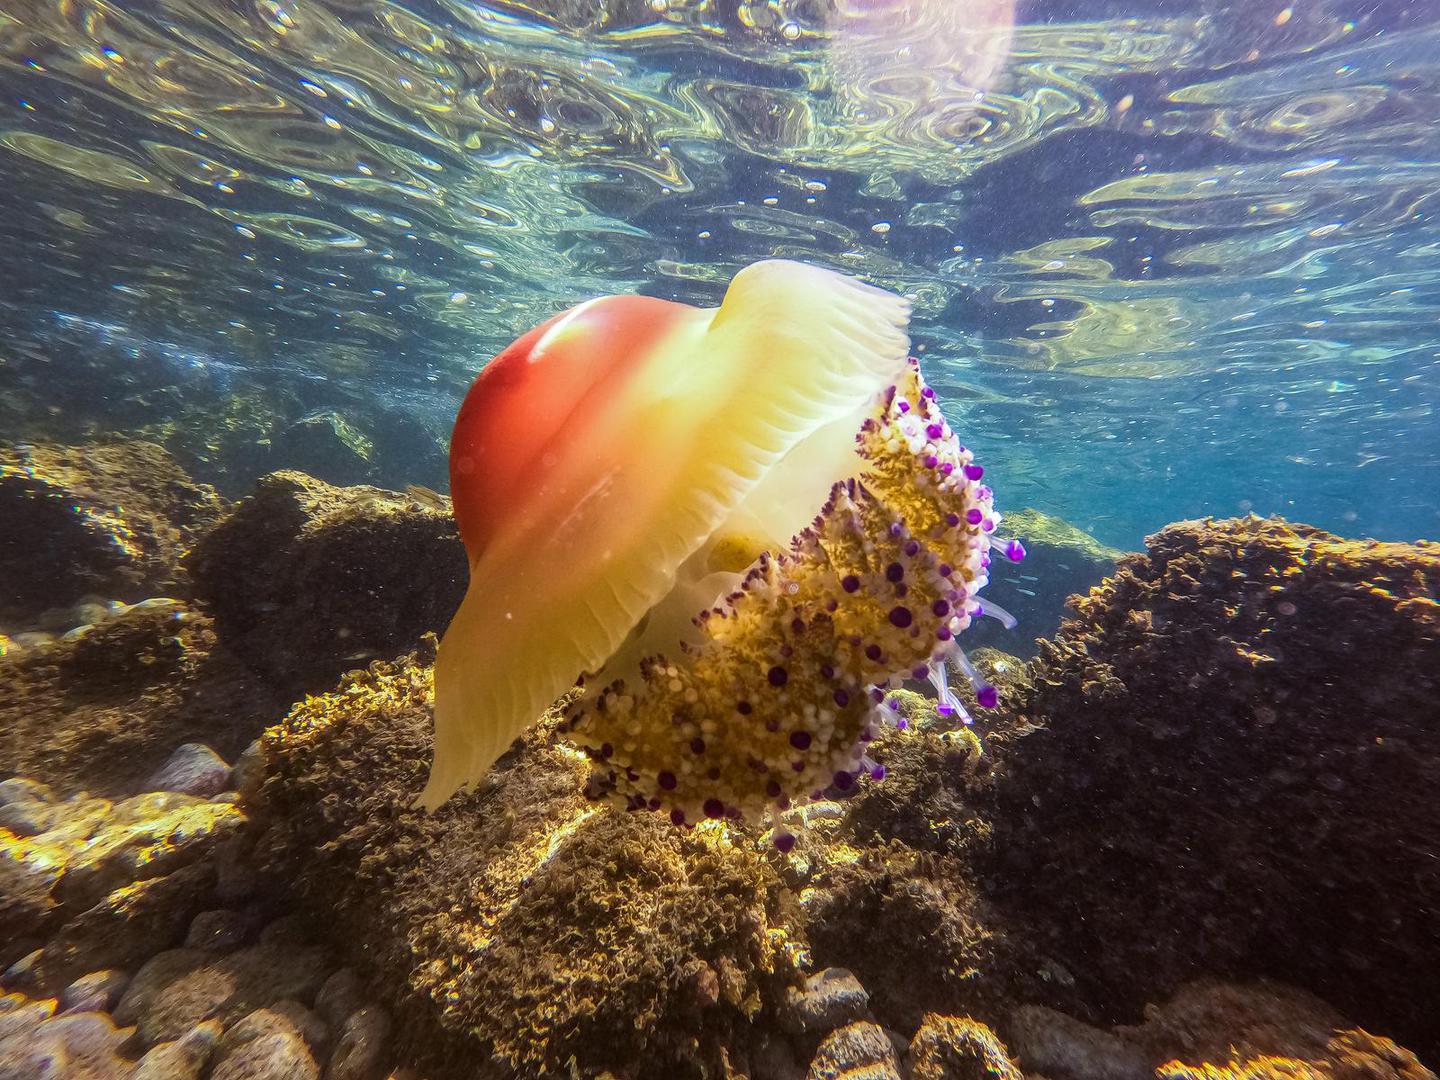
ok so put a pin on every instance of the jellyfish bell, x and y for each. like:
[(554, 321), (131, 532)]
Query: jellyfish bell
[(616, 470)]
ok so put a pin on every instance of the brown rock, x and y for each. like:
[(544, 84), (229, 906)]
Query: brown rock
[(281, 1055), (183, 1059), (180, 988), (958, 1048), (96, 992), (360, 1049), (111, 518), (858, 1051), (104, 711), (340, 997), (306, 580), (827, 1000), (1235, 747)]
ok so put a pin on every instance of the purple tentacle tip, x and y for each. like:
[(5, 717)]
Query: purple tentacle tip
[(1015, 551), (988, 697)]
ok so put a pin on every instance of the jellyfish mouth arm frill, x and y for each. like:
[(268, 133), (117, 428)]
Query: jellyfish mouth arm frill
[(598, 454), (786, 689)]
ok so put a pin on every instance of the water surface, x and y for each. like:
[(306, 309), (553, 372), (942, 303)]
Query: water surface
[(1167, 259)]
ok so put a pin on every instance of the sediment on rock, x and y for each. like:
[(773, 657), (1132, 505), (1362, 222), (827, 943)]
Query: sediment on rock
[(1212, 1031)]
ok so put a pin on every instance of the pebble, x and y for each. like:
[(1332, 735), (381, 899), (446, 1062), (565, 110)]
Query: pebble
[(83, 1045), (25, 1017), (182, 1059), (177, 989), (312, 1029), (193, 769), (958, 1048), (340, 998), (857, 1050), (19, 789), (219, 930), (828, 1000), (361, 1045), (255, 1025), (249, 772), (280, 1055), (95, 992)]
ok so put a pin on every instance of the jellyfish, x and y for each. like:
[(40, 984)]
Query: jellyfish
[(734, 529)]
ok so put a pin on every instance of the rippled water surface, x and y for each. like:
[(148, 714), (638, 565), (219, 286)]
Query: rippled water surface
[(1168, 258)]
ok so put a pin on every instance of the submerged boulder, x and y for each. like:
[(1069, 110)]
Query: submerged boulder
[(110, 518), (306, 580), (1233, 771), (521, 924), (104, 708)]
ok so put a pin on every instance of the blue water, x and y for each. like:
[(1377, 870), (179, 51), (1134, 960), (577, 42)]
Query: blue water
[(1167, 259)]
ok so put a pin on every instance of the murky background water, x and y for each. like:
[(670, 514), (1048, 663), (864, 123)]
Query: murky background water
[(1168, 258)]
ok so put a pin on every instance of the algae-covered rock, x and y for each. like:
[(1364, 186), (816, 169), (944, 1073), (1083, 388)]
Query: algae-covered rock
[(1213, 1031), (125, 928), (1235, 772), (959, 1048), (519, 925), (98, 871), (104, 710), (891, 887), (109, 518), (917, 930), (1061, 561), (306, 580)]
